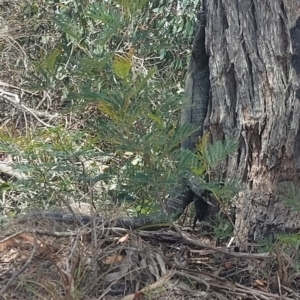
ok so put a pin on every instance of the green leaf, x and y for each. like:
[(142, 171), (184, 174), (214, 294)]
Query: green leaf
[(100, 12), (290, 239), (5, 186), (157, 118), (184, 131), (137, 89), (66, 29), (219, 150), (122, 65), (132, 5), (289, 194)]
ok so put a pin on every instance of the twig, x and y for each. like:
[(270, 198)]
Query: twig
[(296, 296), (17, 273), (153, 286), (8, 85), (235, 254), (6, 169), (262, 294), (57, 233), (15, 100), (11, 236), (193, 277)]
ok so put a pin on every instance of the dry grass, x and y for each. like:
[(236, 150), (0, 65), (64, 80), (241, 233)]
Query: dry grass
[(24, 39), (46, 260)]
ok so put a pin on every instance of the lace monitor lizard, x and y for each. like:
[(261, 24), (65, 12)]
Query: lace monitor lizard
[(194, 111)]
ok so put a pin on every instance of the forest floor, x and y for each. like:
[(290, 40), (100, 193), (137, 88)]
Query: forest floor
[(47, 260)]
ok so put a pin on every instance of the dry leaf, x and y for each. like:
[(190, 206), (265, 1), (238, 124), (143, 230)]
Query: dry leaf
[(123, 239)]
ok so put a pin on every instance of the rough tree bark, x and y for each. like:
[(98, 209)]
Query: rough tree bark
[(254, 49)]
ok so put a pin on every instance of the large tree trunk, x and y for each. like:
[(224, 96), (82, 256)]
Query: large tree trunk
[(254, 49)]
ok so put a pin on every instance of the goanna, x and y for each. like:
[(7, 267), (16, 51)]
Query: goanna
[(194, 111)]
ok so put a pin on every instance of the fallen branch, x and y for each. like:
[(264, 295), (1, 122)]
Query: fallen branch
[(15, 100), (221, 250)]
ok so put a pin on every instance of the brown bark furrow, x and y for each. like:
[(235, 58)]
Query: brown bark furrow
[(253, 90)]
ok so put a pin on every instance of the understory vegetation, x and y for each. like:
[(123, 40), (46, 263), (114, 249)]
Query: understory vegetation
[(102, 83), (101, 86)]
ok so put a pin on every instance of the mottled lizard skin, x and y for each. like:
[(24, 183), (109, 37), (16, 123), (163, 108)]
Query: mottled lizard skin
[(194, 108), (197, 86)]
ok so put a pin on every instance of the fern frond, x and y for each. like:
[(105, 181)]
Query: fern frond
[(290, 239), (188, 160), (218, 151), (185, 131)]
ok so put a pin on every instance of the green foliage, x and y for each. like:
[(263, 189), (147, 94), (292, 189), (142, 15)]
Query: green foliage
[(285, 246), (54, 162), (205, 162), (289, 194), (115, 67), (221, 226), (208, 157), (290, 239), (155, 31), (212, 154), (286, 243)]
